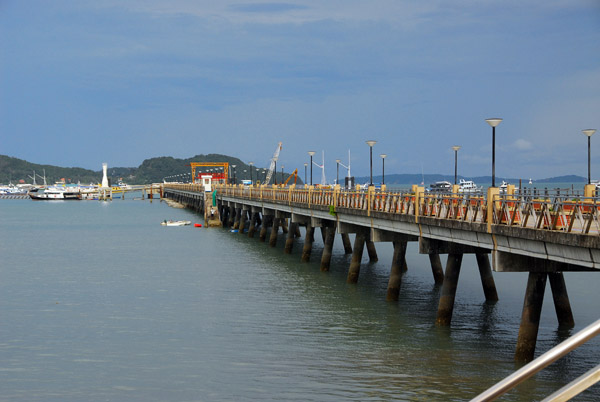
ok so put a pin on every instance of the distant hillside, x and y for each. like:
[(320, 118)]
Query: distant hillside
[(151, 170)]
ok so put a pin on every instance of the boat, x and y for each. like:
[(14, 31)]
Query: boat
[(468, 187), (55, 193), (440, 187), (175, 223)]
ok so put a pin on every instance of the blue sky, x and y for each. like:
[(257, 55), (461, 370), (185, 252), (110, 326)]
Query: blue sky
[(85, 82)]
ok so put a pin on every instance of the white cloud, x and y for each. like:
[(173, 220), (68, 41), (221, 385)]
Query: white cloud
[(522, 144)]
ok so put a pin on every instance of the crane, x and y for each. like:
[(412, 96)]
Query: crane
[(295, 174), (272, 165)]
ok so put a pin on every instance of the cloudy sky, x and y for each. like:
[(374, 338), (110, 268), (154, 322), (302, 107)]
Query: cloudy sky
[(89, 81)]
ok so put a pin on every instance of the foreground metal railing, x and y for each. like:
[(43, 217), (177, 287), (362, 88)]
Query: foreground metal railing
[(565, 393), (550, 210)]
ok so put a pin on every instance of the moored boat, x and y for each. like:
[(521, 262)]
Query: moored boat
[(175, 223), (55, 193), (468, 187)]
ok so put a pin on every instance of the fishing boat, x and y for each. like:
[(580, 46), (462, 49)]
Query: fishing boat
[(468, 187), (175, 223)]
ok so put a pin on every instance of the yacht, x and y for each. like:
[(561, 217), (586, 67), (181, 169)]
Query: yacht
[(55, 193), (440, 187), (468, 187)]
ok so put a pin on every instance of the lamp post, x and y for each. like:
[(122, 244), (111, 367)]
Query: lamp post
[(589, 133), (383, 168), (370, 143), (493, 122), (311, 153), (282, 174), (305, 166), (275, 171), (337, 176), (455, 148), (251, 164), (234, 181)]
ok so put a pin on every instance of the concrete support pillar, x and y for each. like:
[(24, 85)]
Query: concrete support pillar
[(398, 262), (328, 248), (274, 231), (487, 279), (323, 233), (372, 251), (346, 242), (252, 227), (283, 224), (243, 214), (562, 305), (436, 268), (308, 243), (231, 216), (530, 318), (359, 245), (446, 305), (289, 240), (267, 220), (297, 230)]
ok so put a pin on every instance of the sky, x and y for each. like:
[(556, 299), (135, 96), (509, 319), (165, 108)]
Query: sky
[(84, 82)]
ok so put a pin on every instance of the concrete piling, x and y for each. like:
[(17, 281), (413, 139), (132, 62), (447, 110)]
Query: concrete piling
[(346, 242), (289, 239), (562, 305), (243, 214), (359, 245), (530, 318), (398, 261), (436, 268), (487, 280), (267, 221), (308, 242), (252, 227), (372, 251), (274, 231), (446, 305), (328, 248)]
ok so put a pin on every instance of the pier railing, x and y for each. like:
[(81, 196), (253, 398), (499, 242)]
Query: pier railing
[(551, 212)]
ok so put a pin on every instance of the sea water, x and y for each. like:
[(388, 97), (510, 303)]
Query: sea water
[(99, 302)]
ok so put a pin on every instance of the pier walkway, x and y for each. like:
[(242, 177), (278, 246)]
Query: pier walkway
[(543, 235)]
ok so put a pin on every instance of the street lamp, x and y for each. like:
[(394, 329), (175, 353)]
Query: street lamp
[(311, 153), (234, 181), (370, 143), (337, 176), (305, 166), (275, 171), (383, 166), (251, 164), (455, 148), (282, 174), (589, 133), (493, 122)]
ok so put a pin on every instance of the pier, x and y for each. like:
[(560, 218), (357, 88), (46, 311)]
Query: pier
[(544, 236)]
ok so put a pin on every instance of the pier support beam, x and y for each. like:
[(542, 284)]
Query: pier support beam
[(243, 215), (359, 245), (274, 231), (267, 221), (252, 227), (561, 300), (530, 318), (308, 243), (446, 305), (436, 268), (487, 280), (398, 261), (372, 251), (289, 240), (347, 244), (328, 247)]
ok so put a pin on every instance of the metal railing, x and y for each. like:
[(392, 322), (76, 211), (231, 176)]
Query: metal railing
[(550, 210), (565, 393)]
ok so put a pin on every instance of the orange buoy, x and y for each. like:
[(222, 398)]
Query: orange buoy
[(198, 225)]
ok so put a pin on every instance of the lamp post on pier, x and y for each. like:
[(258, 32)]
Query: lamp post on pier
[(251, 164), (305, 166), (234, 180), (370, 143), (311, 153), (455, 148), (493, 122), (383, 168), (282, 174), (589, 133), (337, 176), (275, 171)]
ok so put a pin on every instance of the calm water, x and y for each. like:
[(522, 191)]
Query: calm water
[(98, 302)]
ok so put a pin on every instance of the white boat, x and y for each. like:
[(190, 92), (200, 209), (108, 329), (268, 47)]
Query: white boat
[(468, 187), (440, 187), (175, 223), (55, 193)]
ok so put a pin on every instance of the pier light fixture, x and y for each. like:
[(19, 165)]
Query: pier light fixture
[(383, 168), (589, 133), (493, 122), (337, 177), (275, 170), (305, 166), (233, 167), (311, 153), (455, 148), (282, 173), (370, 143), (251, 164)]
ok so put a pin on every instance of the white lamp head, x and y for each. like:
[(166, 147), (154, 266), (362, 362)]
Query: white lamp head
[(383, 156), (456, 147), (338, 160), (371, 143), (493, 121), (589, 132), (311, 153)]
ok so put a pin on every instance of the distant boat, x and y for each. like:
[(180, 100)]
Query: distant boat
[(440, 187), (55, 193), (530, 182), (468, 187), (175, 223)]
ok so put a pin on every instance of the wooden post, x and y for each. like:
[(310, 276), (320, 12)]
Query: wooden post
[(446, 305), (328, 247), (530, 318), (359, 245), (487, 280), (395, 281)]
